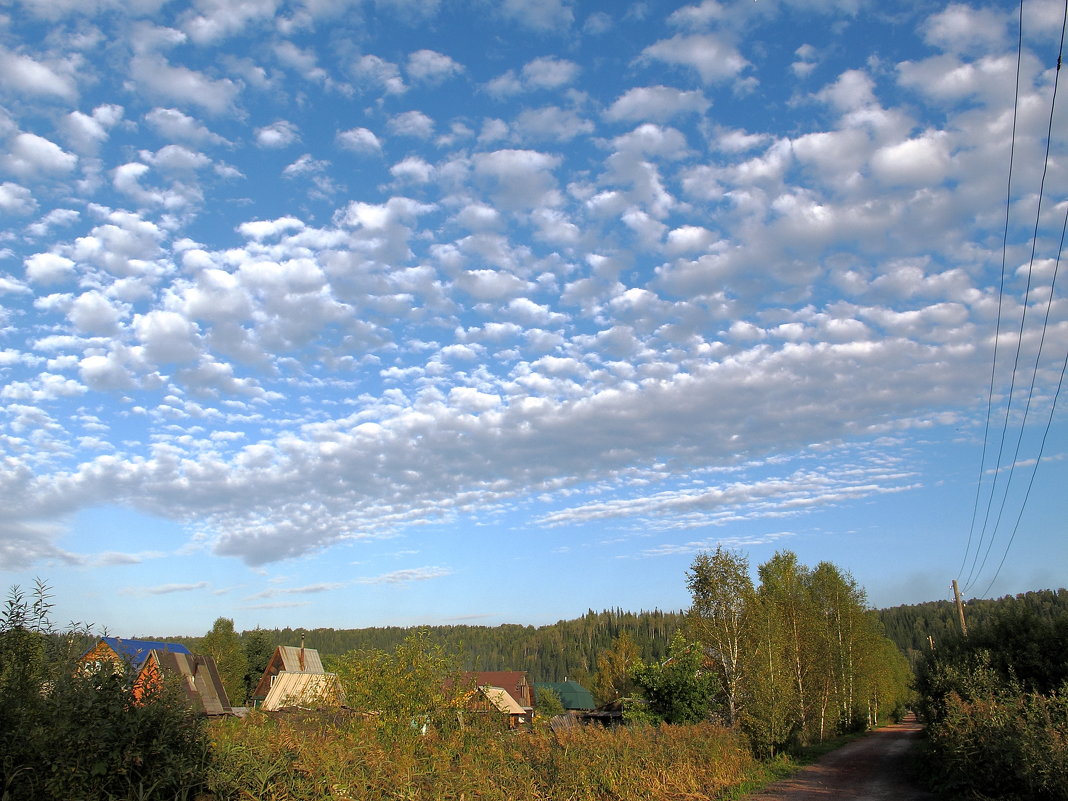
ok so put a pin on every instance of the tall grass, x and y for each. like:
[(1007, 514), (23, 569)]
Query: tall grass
[(293, 758)]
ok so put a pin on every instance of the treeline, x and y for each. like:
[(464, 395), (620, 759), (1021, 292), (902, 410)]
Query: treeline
[(562, 650), (996, 702), (910, 626)]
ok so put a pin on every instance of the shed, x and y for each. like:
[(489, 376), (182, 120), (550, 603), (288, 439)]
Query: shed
[(572, 695), (499, 699), (303, 689), (290, 659)]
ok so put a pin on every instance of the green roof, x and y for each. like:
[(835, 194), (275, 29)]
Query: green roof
[(572, 694)]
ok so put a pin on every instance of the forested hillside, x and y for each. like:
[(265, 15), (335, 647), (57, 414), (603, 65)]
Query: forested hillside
[(909, 626), (566, 649), (569, 648)]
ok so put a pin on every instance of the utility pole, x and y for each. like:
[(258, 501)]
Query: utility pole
[(960, 609)]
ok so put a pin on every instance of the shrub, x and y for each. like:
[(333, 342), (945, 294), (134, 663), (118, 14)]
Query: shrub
[(76, 732)]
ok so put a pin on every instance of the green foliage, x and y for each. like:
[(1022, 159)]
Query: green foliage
[(679, 690), (76, 732), (996, 705), (547, 703), (417, 682), (565, 649), (259, 648), (223, 644), (613, 677), (720, 618)]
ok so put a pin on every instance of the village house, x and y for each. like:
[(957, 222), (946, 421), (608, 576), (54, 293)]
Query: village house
[(151, 661)]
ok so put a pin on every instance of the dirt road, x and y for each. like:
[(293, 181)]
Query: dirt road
[(876, 767)]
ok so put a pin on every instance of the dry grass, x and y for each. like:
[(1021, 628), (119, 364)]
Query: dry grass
[(293, 758)]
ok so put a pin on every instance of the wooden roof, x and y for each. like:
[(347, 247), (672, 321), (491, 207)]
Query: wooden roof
[(303, 689), (202, 684)]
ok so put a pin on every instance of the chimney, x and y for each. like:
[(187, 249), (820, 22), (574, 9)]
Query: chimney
[(302, 652)]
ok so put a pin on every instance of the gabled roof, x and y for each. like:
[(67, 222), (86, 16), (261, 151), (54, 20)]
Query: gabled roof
[(202, 685), (501, 700), (136, 651), (294, 662), (572, 694), (303, 689), (513, 681)]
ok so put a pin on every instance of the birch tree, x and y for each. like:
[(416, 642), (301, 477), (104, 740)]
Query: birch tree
[(719, 619)]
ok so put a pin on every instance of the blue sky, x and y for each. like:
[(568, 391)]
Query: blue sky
[(389, 312)]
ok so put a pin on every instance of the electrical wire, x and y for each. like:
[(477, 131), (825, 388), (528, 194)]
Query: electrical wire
[(1027, 291), (975, 574), (1001, 295), (1049, 420)]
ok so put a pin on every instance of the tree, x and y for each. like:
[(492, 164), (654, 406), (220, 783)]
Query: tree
[(613, 679), (547, 703), (679, 690), (223, 645), (259, 648), (784, 589), (418, 681), (719, 618)]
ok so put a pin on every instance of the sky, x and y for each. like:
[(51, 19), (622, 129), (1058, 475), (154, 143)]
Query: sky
[(347, 313)]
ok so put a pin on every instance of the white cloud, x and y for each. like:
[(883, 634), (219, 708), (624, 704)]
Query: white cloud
[(360, 140), (48, 268), (541, 15), (961, 28), (93, 313), (85, 132), (16, 200), (374, 71), (714, 58), (278, 134), (30, 156), (31, 77), (167, 337), (412, 169), (548, 72), (915, 162), (218, 19), (518, 178), (656, 103), (431, 67), (183, 85), (412, 123), (171, 123)]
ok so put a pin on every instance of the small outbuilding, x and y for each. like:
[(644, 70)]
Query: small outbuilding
[(199, 679), (308, 690), (287, 659)]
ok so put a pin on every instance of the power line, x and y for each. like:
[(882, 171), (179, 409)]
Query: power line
[(1049, 420), (1001, 295), (1030, 395)]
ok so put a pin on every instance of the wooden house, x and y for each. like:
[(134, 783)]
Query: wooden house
[(496, 699), (150, 661), (288, 659), (198, 675), (514, 682), (308, 690)]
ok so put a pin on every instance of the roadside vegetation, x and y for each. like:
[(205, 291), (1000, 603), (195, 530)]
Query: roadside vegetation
[(996, 707)]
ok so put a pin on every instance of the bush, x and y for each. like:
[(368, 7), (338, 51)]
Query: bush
[(76, 732)]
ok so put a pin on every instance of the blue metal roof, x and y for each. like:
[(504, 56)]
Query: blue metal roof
[(136, 651)]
